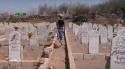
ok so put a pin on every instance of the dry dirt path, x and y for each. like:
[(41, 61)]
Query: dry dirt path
[(58, 58)]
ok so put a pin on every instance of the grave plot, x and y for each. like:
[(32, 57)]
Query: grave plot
[(17, 49), (81, 57), (104, 40), (98, 48)]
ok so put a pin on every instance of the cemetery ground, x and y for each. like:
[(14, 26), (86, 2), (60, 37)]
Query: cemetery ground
[(30, 54), (76, 53), (86, 60), (83, 59)]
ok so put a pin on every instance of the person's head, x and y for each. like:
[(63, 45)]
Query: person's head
[(60, 17), (16, 28)]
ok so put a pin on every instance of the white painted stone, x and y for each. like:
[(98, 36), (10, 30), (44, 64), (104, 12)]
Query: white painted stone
[(95, 26), (89, 26), (70, 25), (118, 53), (115, 27), (79, 35), (15, 46), (76, 29), (110, 32), (85, 35), (8, 30), (33, 42), (24, 32), (121, 31), (103, 34), (119, 26), (94, 42)]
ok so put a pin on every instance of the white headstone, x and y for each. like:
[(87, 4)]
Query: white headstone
[(116, 28), (76, 30), (121, 31), (79, 35), (85, 35), (89, 26), (118, 53), (70, 25), (95, 26), (110, 32), (94, 42), (33, 42), (24, 32), (8, 30), (103, 34), (15, 46)]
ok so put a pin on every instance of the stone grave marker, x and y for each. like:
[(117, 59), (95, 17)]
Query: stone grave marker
[(119, 27), (110, 32), (76, 29), (118, 53), (103, 34), (93, 42), (24, 32), (8, 30), (39, 33), (15, 46), (121, 31), (70, 25), (95, 26), (89, 26), (1, 27), (33, 42), (115, 29), (32, 36), (79, 35), (85, 35)]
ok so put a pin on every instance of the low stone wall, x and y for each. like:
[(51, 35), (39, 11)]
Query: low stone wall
[(72, 64), (24, 64), (45, 65)]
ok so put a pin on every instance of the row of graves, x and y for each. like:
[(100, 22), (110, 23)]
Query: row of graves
[(102, 41), (22, 44)]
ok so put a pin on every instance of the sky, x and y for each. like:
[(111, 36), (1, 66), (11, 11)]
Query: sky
[(26, 5)]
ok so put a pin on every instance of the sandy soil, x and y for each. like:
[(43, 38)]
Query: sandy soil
[(1, 33), (58, 58)]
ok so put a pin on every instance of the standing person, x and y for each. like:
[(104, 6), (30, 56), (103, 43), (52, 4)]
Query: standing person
[(60, 27)]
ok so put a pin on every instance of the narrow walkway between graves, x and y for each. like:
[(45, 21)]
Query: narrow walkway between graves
[(58, 58)]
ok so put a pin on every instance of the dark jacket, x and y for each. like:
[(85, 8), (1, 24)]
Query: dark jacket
[(60, 23)]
